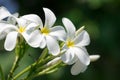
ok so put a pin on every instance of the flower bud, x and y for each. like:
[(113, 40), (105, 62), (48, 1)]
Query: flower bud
[(54, 61), (80, 30), (94, 57)]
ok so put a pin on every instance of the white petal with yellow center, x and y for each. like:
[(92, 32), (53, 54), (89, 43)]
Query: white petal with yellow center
[(70, 43), (21, 29), (45, 30)]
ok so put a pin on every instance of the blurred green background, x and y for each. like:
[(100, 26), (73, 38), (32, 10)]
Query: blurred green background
[(101, 19)]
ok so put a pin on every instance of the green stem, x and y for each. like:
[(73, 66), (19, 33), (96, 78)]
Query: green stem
[(29, 67), (39, 62), (43, 55), (15, 65), (24, 71), (48, 69), (40, 59), (19, 53)]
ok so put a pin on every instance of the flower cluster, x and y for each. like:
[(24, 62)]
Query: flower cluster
[(64, 43)]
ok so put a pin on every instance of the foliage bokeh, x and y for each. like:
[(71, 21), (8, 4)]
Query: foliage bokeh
[(101, 19)]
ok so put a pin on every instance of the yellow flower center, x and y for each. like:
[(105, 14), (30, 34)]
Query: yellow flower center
[(70, 43), (21, 29), (45, 31)]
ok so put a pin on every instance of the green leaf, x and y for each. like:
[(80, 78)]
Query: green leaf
[(1, 73)]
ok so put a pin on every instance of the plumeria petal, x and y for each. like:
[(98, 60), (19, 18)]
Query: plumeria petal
[(58, 32), (2, 33), (2, 25), (43, 43), (74, 59), (26, 36), (7, 27), (77, 68), (3, 30), (34, 18), (10, 41), (4, 13), (82, 39), (50, 17), (64, 47), (82, 55), (11, 19), (68, 56), (22, 22), (52, 45), (69, 27), (35, 38), (85, 50), (30, 28), (16, 14)]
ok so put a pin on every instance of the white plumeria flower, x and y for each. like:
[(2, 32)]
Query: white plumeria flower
[(47, 35), (12, 30), (21, 28), (75, 48), (5, 14)]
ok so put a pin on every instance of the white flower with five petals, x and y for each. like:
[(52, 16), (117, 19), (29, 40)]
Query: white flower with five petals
[(75, 51), (47, 35), (22, 28), (5, 18)]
